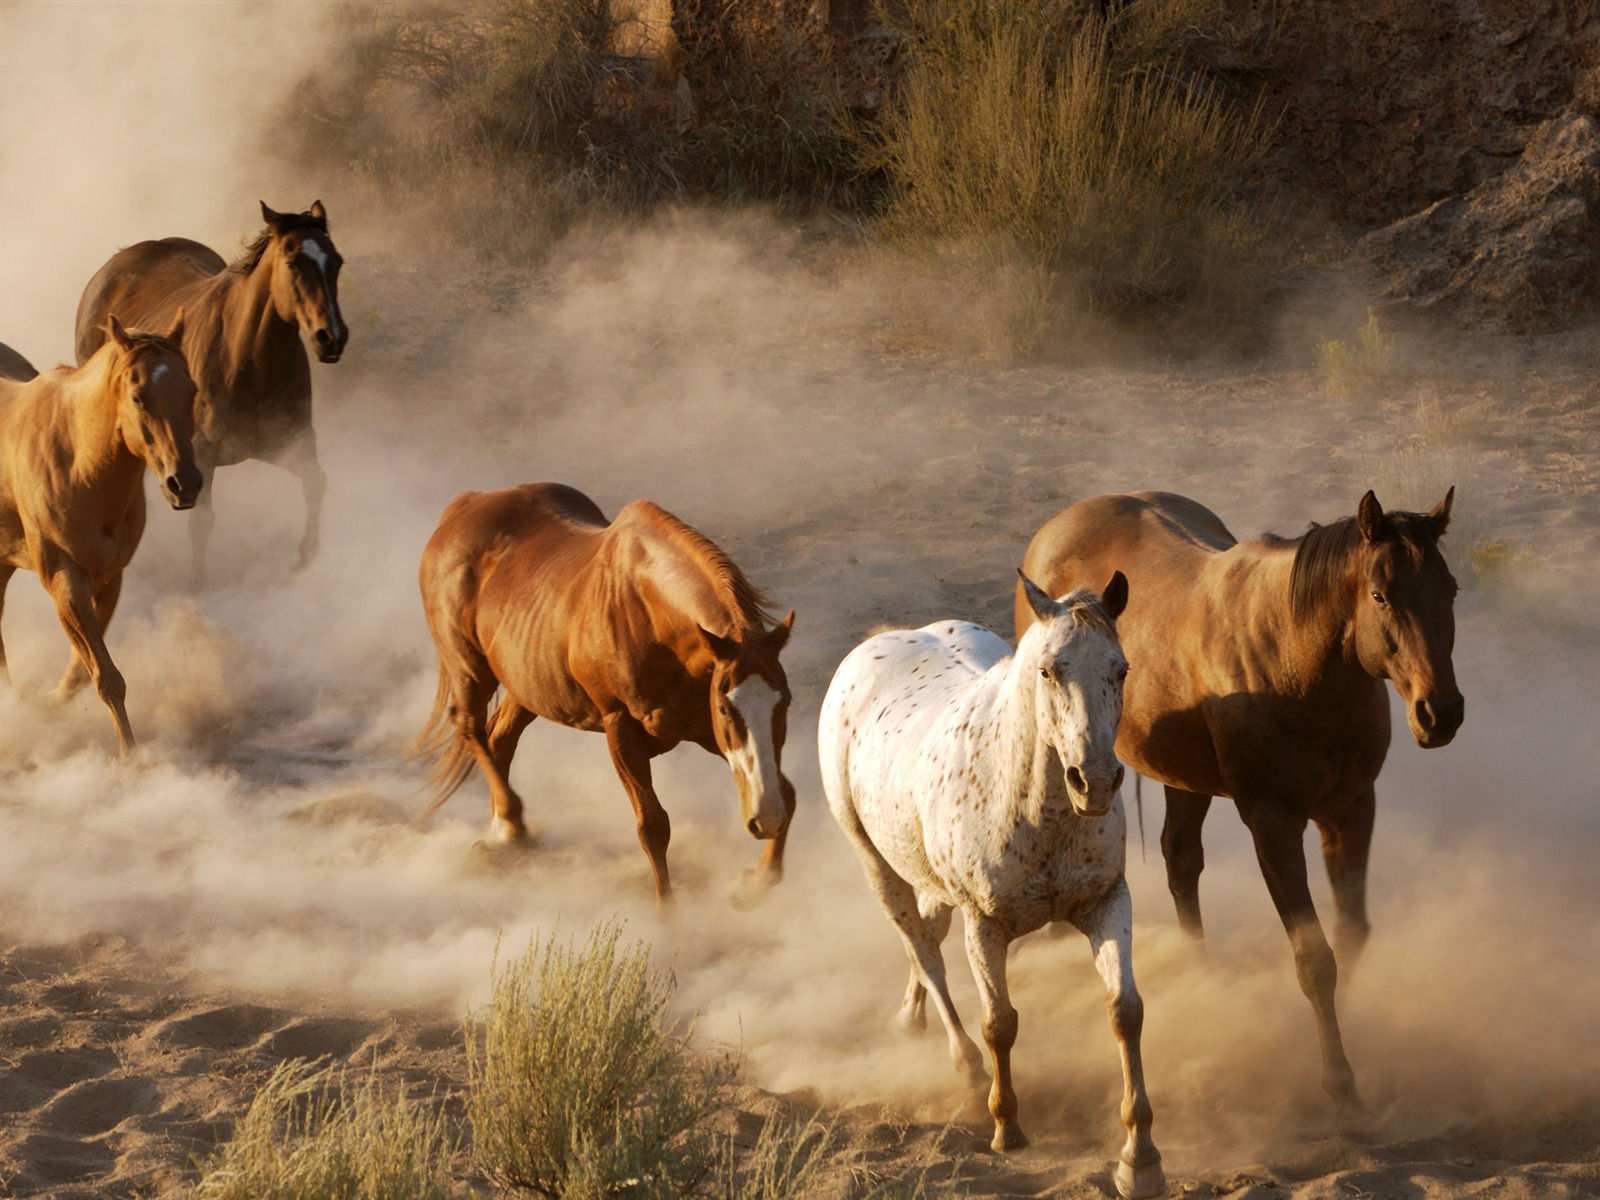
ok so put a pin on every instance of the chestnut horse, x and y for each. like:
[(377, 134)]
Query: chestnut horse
[(14, 367), (73, 448), (641, 628), (1258, 672), (969, 777), (242, 340)]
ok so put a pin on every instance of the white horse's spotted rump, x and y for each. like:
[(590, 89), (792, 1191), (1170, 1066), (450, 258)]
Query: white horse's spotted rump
[(967, 777)]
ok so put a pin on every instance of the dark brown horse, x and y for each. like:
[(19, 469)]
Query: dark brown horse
[(74, 445), (14, 367), (1257, 674), (242, 340), (640, 628)]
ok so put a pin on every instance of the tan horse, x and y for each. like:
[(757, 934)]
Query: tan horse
[(73, 448), (640, 628), (13, 366), (1257, 674), (242, 340)]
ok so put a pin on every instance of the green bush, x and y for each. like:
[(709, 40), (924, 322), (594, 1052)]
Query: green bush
[(1099, 151), (580, 1088), (310, 1134)]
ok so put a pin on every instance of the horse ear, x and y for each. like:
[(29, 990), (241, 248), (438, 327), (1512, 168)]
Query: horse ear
[(273, 219), (724, 648), (318, 214), (1439, 516), (778, 635), (119, 335), (1370, 516), (175, 334), (1115, 598), (1043, 606)]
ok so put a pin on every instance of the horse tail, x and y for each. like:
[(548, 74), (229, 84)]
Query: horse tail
[(438, 741)]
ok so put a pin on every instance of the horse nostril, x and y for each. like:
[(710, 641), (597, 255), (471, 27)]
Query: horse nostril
[(1116, 780), (322, 337), (174, 486), (1424, 715), (1075, 780), (754, 827)]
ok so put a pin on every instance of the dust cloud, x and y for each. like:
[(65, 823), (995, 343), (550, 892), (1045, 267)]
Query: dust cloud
[(266, 833)]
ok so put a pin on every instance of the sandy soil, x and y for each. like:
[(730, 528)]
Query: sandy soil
[(254, 887)]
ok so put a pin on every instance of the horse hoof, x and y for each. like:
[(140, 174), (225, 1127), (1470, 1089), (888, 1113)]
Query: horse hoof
[(1357, 1124), (1140, 1183), (751, 889), (1008, 1137), (500, 856), (913, 1022)]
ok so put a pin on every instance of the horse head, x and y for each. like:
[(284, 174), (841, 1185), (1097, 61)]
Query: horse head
[(1077, 662), (305, 277), (1405, 624), (155, 407), (750, 719)]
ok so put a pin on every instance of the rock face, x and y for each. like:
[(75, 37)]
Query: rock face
[(1519, 253), (1385, 106)]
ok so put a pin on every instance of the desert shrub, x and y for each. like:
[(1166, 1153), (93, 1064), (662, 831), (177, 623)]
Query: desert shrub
[(312, 1134), (1097, 150), (1366, 361), (579, 1086)]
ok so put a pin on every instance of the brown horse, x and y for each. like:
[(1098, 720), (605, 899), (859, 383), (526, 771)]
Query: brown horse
[(242, 340), (1257, 674), (640, 627), (73, 448), (14, 367)]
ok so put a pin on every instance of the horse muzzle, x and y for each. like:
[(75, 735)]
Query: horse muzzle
[(330, 343), (1435, 719), (1093, 795), (182, 488)]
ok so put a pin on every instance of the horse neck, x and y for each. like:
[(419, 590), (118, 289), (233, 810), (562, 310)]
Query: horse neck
[(100, 453), (1315, 650), (250, 327)]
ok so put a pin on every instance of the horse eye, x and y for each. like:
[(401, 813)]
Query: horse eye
[(1379, 599), (1044, 672)]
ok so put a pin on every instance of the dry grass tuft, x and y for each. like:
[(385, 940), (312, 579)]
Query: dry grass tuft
[(580, 1088), (1097, 150), (311, 1134)]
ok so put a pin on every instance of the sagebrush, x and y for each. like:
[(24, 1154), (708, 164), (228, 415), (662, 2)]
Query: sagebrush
[(581, 1087)]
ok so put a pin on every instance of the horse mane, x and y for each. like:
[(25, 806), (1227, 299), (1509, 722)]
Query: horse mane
[(747, 602), (1324, 555), (251, 256)]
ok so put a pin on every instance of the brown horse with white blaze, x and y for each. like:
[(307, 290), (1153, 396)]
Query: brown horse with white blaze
[(640, 628), (74, 445), (1257, 674), (243, 343)]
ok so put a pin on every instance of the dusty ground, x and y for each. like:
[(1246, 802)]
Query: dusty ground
[(252, 886)]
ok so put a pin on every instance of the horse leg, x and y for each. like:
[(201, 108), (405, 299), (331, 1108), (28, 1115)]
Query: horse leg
[(300, 458), (921, 942), (1278, 833), (1109, 927), (6, 572), (505, 731), (630, 755), (1345, 843), (913, 1015), (105, 604), (202, 520), (987, 942), (69, 589), (1184, 855), (471, 688)]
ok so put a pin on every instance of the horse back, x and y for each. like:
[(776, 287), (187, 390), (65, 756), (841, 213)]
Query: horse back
[(144, 285), (510, 571)]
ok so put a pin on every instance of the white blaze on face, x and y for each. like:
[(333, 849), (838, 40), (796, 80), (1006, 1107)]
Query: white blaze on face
[(161, 369), (755, 763), (318, 257)]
